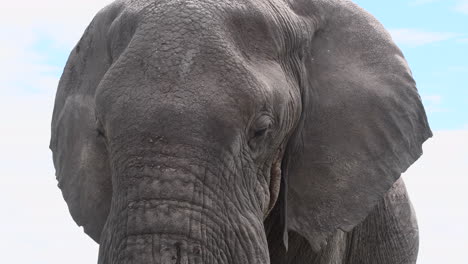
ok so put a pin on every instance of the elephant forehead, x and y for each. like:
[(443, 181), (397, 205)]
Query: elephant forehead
[(206, 48), (176, 32), (264, 29)]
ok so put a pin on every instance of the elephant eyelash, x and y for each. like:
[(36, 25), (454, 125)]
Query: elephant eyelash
[(100, 129), (100, 133), (260, 132)]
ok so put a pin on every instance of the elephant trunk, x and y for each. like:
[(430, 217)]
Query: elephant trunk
[(167, 210)]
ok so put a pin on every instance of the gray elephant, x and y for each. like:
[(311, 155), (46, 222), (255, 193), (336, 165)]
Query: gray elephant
[(240, 132)]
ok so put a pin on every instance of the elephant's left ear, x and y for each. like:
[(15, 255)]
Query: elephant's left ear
[(363, 123), (79, 151)]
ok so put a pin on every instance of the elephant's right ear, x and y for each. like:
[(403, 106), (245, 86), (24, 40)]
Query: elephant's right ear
[(79, 151), (363, 123)]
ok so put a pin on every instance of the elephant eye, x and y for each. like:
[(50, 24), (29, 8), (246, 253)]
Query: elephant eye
[(100, 133), (260, 132), (100, 129), (260, 129)]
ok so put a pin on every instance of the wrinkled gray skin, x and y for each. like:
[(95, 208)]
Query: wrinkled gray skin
[(203, 131)]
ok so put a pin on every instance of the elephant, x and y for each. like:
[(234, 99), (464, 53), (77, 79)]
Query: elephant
[(239, 132)]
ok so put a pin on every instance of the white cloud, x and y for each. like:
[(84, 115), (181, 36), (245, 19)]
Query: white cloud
[(24, 24), (62, 21), (432, 103), (434, 99), (462, 6), (422, 2), (22, 67), (459, 69), (437, 185), (415, 37)]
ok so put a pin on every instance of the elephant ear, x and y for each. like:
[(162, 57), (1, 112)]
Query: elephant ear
[(79, 151), (362, 125)]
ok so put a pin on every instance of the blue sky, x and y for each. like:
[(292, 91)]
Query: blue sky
[(434, 38), (433, 35), (37, 36)]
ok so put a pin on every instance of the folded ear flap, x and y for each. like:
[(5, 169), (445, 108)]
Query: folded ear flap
[(362, 124), (79, 151)]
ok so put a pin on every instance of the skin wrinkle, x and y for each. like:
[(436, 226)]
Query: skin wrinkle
[(176, 202), (211, 164), (212, 197), (226, 206), (212, 233), (237, 235), (266, 178), (182, 237), (245, 175), (211, 190), (166, 233), (157, 139)]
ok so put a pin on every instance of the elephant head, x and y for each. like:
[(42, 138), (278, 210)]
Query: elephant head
[(179, 125)]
